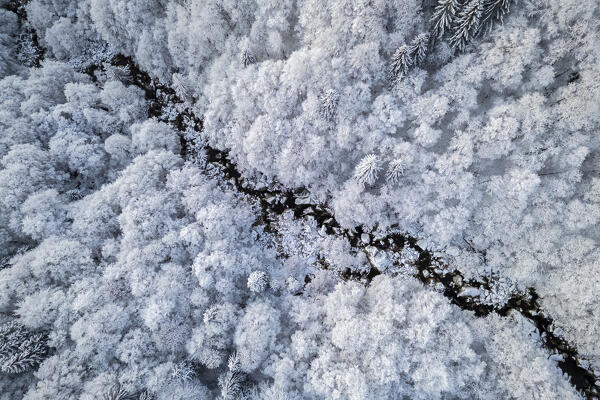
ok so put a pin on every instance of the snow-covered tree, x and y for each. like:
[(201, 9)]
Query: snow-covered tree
[(419, 48), (20, 349), (367, 170), (495, 10), (395, 170), (402, 61), (329, 102), (117, 393), (258, 281), (467, 24), (143, 273), (444, 16)]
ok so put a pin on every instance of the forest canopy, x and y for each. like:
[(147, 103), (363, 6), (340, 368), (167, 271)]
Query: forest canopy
[(276, 199)]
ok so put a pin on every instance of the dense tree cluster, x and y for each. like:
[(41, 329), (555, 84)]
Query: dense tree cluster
[(155, 278), (131, 272)]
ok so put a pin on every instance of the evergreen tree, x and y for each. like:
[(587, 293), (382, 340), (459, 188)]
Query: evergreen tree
[(494, 10), (231, 385), (329, 102), (247, 58), (234, 363), (20, 349), (145, 396), (231, 381), (121, 73), (117, 393), (181, 87), (395, 171), (183, 372), (467, 24), (419, 48), (401, 62), (367, 170), (443, 17)]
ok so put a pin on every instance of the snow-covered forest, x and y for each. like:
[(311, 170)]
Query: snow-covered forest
[(299, 199)]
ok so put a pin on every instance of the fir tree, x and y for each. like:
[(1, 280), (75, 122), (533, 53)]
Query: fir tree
[(231, 385), (467, 24), (75, 194), (145, 396), (443, 17), (247, 58), (494, 10), (117, 72), (329, 101), (183, 372), (233, 363), (181, 87), (211, 314), (401, 62), (20, 349), (367, 170), (117, 393), (419, 48), (395, 171), (231, 382)]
